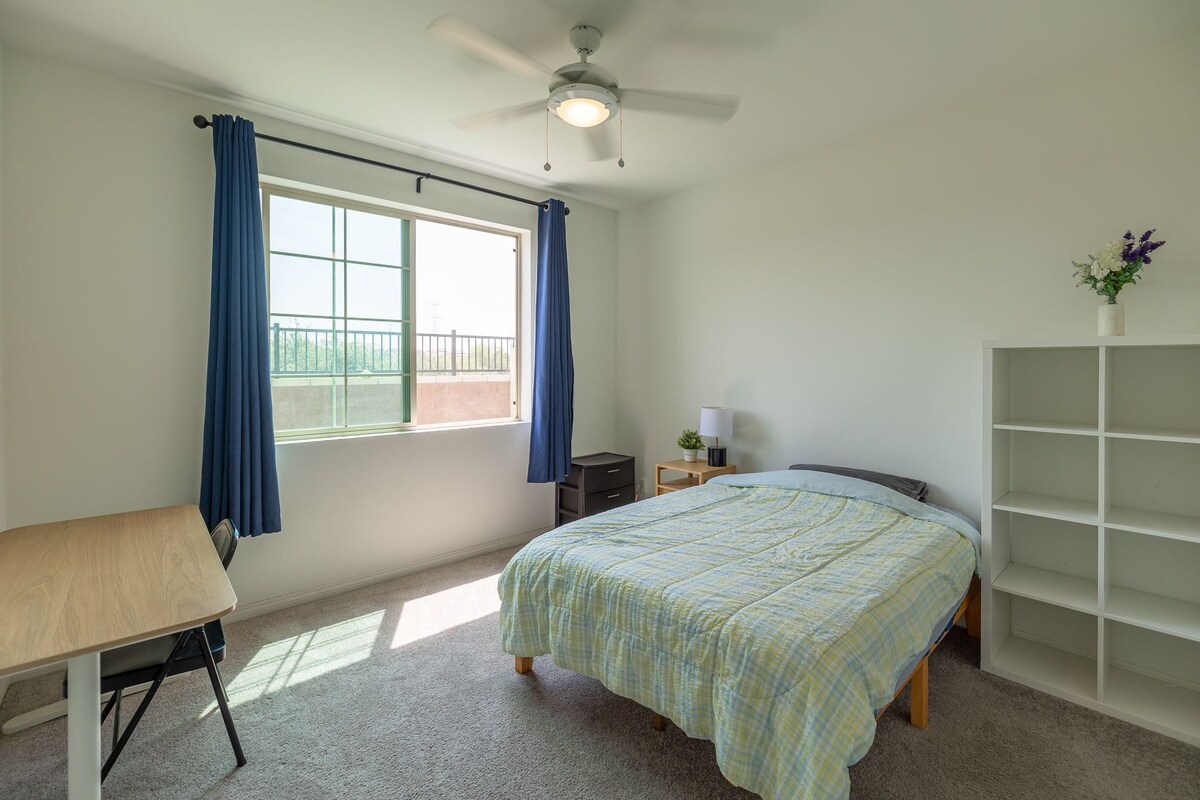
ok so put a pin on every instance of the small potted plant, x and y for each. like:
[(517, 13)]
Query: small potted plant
[(689, 442), (1117, 265)]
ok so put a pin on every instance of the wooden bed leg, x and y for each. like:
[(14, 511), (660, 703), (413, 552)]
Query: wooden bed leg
[(919, 715), (974, 610), (660, 722), (524, 664)]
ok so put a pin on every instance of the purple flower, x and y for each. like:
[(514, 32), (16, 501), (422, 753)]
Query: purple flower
[(1139, 248)]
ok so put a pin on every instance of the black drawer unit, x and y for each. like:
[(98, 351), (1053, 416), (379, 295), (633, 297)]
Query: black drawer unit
[(596, 483)]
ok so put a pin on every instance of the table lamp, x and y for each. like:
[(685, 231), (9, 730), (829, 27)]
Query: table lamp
[(716, 422)]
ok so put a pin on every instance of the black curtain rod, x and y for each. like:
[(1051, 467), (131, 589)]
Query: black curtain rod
[(201, 122)]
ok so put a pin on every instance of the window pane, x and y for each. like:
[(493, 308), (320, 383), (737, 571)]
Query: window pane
[(305, 286), (378, 381), (466, 280), (374, 238), (299, 345), (376, 400), (467, 322), (306, 386), (301, 226), (378, 292), (463, 398), (376, 348)]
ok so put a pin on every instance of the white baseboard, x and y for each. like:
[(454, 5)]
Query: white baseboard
[(282, 601)]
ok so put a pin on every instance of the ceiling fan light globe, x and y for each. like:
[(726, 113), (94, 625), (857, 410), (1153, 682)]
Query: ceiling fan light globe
[(582, 112), (583, 105)]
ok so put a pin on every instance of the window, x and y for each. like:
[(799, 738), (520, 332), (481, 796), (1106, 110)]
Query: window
[(382, 320)]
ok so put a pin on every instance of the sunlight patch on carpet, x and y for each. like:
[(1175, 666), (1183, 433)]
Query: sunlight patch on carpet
[(303, 657), (441, 611)]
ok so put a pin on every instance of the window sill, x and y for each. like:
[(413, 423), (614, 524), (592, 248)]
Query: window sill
[(371, 434)]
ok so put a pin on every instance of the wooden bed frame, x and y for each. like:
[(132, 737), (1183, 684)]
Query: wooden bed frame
[(919, 713)]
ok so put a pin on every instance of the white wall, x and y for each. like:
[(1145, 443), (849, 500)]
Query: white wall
[(3, 458), (108, 213), (837, 299)]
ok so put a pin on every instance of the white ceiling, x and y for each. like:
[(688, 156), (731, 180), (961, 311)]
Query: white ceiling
[(809, 71)]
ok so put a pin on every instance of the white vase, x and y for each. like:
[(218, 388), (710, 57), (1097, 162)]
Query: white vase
[(1110, 319), (689, 455)]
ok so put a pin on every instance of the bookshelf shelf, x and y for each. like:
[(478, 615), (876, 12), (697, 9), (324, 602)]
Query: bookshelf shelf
[(1048, 587), (1042, 505), (1036, 426)]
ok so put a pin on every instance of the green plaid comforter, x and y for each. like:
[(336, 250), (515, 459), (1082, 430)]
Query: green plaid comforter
[(770, 613)]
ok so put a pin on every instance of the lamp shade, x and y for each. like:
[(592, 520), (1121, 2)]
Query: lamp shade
[(716, 421)]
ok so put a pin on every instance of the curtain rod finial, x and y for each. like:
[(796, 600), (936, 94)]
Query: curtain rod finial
[(200, 122)]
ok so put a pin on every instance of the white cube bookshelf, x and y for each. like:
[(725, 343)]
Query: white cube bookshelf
[(1091, 525)]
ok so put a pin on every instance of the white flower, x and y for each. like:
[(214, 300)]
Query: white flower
[(1109, 259)]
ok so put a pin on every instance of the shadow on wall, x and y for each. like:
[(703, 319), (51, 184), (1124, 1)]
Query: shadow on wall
[(750, 436), (751, 431), (633, 440)]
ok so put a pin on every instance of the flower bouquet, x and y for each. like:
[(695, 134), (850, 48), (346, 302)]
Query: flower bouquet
[(1118, 264)]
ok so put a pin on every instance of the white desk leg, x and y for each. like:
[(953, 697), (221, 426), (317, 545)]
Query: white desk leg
[(83, 727)]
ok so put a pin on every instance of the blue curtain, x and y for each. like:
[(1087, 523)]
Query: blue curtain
[(553, 364), (238, 480)]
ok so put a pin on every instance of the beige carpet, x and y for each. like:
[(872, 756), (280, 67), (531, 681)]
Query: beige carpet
[(400, 690)]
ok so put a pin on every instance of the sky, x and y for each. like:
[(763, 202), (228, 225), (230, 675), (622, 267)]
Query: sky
[(465, 278)]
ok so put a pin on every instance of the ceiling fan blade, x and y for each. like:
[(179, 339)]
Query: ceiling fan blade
[(601, 144), (457, 32), (718, 107), (500, 115)]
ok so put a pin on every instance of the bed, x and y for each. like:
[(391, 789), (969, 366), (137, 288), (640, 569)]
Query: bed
[(776, 614)]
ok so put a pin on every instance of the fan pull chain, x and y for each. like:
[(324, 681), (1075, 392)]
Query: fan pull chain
[(621, 138), (546, 166)]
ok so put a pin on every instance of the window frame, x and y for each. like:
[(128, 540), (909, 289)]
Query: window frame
[(411, 217)]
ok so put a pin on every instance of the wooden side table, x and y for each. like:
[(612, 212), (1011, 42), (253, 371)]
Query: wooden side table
[(695, 473)]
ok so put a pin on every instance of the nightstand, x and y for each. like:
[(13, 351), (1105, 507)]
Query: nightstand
[(596, 483), (695, 473)]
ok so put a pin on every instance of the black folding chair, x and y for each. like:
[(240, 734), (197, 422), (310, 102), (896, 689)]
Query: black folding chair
[(154, 660)]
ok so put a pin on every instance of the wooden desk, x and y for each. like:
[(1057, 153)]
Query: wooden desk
[(695, 472), (69, 590)]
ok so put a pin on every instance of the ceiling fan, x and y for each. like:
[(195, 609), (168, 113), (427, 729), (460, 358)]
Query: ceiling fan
[(581, 94)]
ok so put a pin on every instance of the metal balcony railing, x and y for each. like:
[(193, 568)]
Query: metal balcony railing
[(311, 352)]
